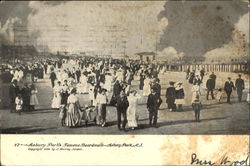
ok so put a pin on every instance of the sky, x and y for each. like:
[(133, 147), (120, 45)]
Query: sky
[(211, 29)]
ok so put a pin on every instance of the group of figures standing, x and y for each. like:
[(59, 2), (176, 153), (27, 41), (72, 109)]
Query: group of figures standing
[(108, 82)]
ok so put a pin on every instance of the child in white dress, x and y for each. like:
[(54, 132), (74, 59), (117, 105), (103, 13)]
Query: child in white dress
[(19, 103), (219, 94)]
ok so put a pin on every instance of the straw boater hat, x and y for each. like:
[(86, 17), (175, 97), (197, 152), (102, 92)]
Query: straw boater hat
[(178, 83), (178, 86)]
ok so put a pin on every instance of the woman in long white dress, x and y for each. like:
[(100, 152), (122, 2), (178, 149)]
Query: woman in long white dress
[(56, 101), (146, 87), (102, 101), (132, 115), (49, 69), (248, 96), (108, 82), (73, 117), (84, 84), (91, 95), (33, 97)]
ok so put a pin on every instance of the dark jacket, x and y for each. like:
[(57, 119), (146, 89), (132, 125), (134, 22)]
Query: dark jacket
[(229, 86), (26, 92), (122, 103), (13, 91), (196, 105), (213, 76), (154, 101), (191, 78), (157, 88), (239, 84), (117, 89), (210, 84), (170, 94), (53, 76), (179, 93)]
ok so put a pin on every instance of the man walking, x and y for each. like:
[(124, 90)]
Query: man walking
[(228, 87), (52, 77), (170, 96), (202, 73), (156, 85), (121, 106), (153, 103), (213, 76), (210, 86), (240, 86)]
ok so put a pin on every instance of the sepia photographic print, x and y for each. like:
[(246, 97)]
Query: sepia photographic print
[(127, 68)]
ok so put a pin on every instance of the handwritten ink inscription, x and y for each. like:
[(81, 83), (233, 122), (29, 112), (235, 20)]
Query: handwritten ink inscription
[(225, 161)]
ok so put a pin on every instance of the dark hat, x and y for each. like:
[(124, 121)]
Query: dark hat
[(171, 82), (73, 90)]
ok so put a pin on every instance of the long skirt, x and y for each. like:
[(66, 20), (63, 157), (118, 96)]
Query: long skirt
[(132, 116), (146, 90), (73, 117), (179, 101), (56, 101), (248, 97)]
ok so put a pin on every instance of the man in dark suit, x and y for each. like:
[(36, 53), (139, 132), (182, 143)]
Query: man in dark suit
[(116, 92), (170, 96), (213, 76), (228, 87), (202, 73), (78, 75), (240, 86), (156, 85), (153, 104), (121, 106), (142, 78), (26, 93), (210, 87), (13, 91), (52, 77)]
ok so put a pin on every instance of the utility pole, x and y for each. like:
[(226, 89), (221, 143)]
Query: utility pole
[(111, 50), (156, 44)]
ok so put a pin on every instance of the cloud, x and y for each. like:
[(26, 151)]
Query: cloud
[(238, 49), (197, 27), (170, 54), (243, 25), (97, 26)]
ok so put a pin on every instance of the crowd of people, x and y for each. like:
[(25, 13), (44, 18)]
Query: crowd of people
[(108, 82)]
